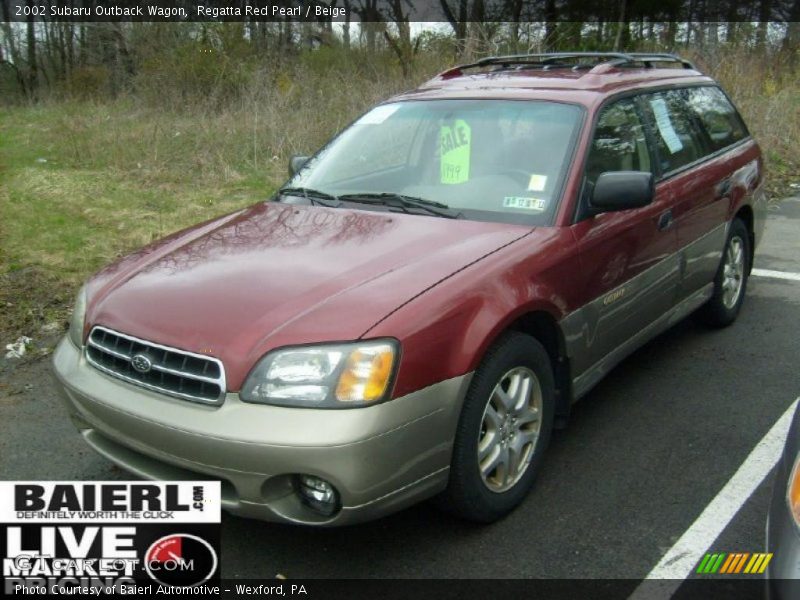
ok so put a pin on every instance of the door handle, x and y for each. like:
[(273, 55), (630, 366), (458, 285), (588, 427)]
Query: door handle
[(723, 188), (665, 220)]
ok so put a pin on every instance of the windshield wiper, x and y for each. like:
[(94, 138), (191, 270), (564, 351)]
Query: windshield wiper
[(403, 202), (312, 195)]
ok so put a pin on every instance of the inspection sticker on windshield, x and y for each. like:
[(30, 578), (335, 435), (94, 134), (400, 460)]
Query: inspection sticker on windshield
[(537, 204), (537, 183), (455, 150), (378, 115)]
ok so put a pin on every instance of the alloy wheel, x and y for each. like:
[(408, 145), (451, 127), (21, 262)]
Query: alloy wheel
[(509, 429), (733, 272)]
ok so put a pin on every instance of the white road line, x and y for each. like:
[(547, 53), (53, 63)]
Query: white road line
[(776, 274), (681, 560)]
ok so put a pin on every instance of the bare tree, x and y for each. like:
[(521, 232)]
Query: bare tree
[(551, 24), (791, 39), (623, 33), (764, 13), (400, 43), (371, 23), (346, 27), (33, 73), (457, 17), (11, 56), (514, 11)]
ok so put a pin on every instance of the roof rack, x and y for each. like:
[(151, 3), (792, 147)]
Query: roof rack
[(602, 61)]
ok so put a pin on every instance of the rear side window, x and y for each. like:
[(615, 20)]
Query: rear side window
[(719, 118), (619, 142), (678, 138)]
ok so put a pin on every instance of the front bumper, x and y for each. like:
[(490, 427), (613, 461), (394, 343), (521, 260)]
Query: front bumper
[(380, 458)]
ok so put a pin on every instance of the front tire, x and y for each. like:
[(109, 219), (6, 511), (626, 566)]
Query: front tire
[(730, 283), (503, 430)]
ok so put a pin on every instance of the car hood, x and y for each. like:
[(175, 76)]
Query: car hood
[(276, 275)]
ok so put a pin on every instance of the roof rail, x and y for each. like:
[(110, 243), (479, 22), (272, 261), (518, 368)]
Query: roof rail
[(570, 60)]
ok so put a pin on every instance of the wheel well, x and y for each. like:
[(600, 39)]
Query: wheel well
[(545, 329), (746, 215)]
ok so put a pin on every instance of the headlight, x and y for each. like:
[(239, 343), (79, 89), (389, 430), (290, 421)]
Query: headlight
[(76, 322), (793, 492), (325, 376)]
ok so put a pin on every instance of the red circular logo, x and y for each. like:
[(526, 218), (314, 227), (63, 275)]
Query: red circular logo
[(180, 559)]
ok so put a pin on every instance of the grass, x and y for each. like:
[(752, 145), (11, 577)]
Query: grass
[(79, 188), (71, 215), (83, 182)]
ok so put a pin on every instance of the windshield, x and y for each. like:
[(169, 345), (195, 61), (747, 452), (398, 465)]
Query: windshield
[(497, 160)]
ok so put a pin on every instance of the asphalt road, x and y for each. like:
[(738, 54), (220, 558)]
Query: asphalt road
[(642, 456)]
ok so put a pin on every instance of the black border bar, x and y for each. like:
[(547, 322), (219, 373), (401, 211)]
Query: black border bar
[(657, 11)]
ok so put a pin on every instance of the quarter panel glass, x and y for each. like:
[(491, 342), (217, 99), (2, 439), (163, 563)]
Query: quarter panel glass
[(719, 118)]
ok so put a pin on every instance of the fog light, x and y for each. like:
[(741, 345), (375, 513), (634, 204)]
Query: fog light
[(318, 494)]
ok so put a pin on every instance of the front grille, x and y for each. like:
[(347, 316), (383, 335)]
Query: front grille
[(167, 370)]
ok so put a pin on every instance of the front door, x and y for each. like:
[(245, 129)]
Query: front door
[(630, 268)]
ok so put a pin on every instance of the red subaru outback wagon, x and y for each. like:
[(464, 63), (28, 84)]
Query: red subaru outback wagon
[(414, 311)]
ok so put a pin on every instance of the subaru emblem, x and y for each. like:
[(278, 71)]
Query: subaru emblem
[(141, 363)]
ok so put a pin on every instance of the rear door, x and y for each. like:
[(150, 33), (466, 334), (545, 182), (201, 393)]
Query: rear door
[(628, 258), (693, 162)]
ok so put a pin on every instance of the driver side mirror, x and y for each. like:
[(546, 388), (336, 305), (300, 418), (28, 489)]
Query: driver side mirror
[(621, 190), (296, 163)]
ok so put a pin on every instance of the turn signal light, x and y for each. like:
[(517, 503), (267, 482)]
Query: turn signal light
[(366, 374), (793, 494)]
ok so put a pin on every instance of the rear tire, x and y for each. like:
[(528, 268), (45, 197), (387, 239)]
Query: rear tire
[(730, 283), (503, 430)]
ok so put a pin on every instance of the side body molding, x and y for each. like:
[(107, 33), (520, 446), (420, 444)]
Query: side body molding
[(581, 327)]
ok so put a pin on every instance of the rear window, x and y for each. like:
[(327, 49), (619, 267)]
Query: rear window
[(719, 118)]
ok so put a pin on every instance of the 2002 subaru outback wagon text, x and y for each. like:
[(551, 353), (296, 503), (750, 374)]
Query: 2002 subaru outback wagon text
[(420, 304)]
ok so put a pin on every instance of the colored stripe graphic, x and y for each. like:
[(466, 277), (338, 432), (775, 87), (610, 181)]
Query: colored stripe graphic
[(717, 564), (701, 568), (763, 567), (727, 564), (754, 563), (734, 563), (740, 564), (711, 563), (730, 564)]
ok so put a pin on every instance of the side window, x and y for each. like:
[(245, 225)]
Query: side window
[(619, 142), (722, 123), (677, 136)]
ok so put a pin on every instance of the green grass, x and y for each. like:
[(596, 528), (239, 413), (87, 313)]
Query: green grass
[(78, 190)]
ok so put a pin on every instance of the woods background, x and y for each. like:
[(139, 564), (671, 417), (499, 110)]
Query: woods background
[(115, 134)]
